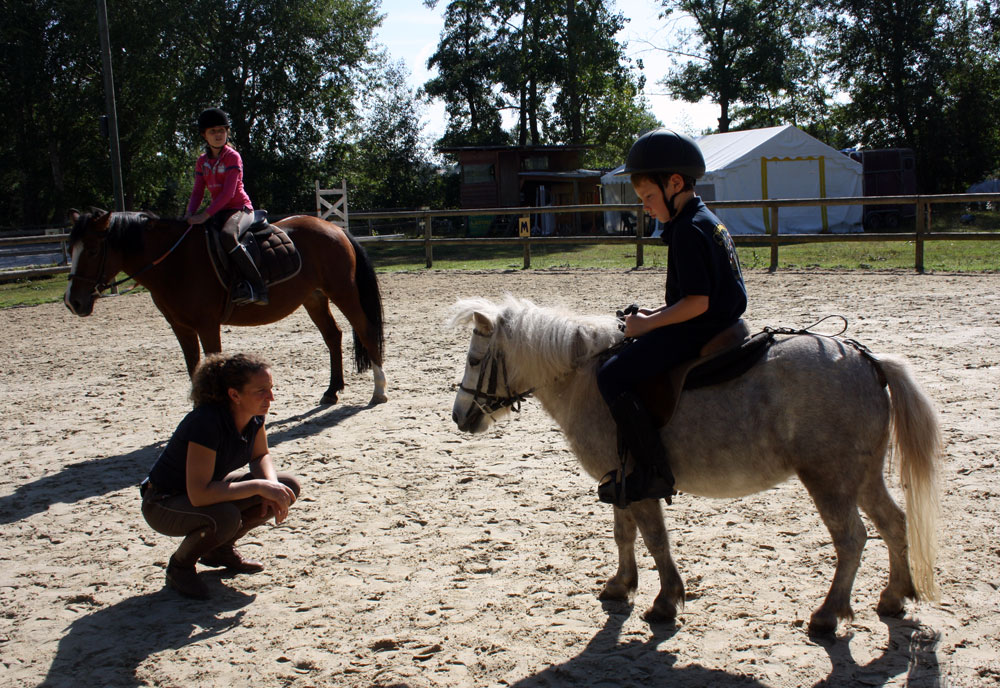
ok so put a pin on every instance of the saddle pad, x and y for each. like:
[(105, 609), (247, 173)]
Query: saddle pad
[(271, 248)]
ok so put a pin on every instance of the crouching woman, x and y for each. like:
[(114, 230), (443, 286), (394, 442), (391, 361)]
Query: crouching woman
[(215, 480)]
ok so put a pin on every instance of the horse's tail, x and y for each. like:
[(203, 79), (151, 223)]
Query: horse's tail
[(371, 303), (917, 441)]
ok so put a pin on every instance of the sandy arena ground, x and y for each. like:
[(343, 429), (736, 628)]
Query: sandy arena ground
[(422, 557)]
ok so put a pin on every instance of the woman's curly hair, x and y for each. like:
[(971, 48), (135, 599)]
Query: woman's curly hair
[(218, 373)]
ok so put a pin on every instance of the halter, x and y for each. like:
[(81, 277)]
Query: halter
[(488, 401), (100, 285)]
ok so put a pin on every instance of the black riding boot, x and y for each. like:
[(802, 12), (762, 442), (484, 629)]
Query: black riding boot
[(253, 289), (651, 477)]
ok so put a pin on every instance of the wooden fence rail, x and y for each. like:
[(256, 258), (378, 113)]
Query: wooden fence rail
[(921, 234)]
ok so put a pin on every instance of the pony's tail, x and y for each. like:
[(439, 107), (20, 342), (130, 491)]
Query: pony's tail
[(917, 441), (371, 303)]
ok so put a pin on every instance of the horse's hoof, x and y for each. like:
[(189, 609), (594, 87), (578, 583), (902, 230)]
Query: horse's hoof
[(328, 399), (822, 627), (615, 591), (378, 399), (890, 607), (655, 615)]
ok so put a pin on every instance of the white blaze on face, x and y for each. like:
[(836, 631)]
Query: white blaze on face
[(74, 263), (465, 400)]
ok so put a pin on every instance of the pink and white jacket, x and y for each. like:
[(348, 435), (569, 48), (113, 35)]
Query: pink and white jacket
[(223, 177)]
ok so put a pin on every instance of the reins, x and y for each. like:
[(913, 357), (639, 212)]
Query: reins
[(488, 401), (855, 344)]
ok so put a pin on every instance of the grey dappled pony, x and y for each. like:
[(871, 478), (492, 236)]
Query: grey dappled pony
[(814, 408)]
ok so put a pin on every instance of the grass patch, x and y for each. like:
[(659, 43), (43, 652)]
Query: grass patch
[(945, 256), (31, 292)]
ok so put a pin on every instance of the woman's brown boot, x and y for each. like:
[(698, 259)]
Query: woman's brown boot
[(232, 560), (184, 579)]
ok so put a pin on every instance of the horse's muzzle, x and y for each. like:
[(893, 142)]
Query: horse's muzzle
[(78, 306), (470, 421)]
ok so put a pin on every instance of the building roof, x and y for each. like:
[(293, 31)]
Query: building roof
[(560, 175), (526, 149)]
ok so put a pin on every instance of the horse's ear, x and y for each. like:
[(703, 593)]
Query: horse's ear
[(101, 222), (484, 325)]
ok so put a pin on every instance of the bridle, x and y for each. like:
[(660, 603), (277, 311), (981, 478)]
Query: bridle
[(101, 286), (488, 401)]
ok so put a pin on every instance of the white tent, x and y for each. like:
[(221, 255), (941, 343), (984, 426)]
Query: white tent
[(779, 162), (616, 189)]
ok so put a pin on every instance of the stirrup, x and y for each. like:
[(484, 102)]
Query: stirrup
[(244, 293), (611, 489), (621, 490)]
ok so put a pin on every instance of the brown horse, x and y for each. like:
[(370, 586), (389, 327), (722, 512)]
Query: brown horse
[(171, 260)]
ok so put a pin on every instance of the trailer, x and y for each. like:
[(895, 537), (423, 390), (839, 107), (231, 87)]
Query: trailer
[(887, 172)]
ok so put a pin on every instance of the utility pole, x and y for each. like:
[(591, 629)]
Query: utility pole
[(109, 99)]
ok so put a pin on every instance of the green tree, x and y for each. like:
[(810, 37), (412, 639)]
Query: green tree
[(557, 63), (51, 152), (466, 60), (736, 52), (919, 74), (287, 73), (389, 165), (598, 91)]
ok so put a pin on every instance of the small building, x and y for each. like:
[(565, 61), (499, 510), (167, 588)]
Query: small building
[(527, 176)]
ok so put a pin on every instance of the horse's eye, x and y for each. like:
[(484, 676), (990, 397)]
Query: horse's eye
[(473, 362)]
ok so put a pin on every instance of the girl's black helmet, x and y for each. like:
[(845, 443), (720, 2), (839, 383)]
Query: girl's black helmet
[(213, 117), (663, 151)]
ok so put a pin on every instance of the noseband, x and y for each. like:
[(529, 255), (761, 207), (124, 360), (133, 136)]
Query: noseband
[(488, 401)]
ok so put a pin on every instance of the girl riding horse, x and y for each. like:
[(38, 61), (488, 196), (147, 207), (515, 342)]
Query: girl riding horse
[(220, 170)]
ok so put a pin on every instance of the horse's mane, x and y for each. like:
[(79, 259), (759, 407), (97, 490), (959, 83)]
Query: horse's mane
[(540, 342), (124, 229)]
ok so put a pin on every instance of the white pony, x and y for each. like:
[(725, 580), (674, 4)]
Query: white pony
[(815, 408)]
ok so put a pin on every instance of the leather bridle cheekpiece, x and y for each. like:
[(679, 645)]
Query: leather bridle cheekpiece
[(488, 401)]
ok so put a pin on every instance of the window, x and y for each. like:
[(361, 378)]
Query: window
[(535, 162), (481, 173)]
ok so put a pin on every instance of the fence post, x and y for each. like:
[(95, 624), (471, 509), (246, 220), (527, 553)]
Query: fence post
[(640, 226), (524, 235), (922, 208), (428, 249), (774, 238)]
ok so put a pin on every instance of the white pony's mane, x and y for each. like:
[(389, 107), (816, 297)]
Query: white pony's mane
[(540, 343)]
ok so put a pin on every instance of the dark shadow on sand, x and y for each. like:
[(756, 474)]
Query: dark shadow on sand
[(910, 650), (78, 481), (631, 663), (105, 648), (93, 477), (309, 423)]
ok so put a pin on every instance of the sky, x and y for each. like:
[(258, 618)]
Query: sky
[(411, 32)]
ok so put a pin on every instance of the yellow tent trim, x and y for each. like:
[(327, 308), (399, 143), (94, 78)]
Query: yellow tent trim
[(822, 187)]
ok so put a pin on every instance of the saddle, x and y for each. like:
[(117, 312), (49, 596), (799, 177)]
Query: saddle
[(725, 357), (272, 251)]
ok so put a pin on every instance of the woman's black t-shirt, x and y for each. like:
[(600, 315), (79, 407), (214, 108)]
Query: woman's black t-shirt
[(211, 426)]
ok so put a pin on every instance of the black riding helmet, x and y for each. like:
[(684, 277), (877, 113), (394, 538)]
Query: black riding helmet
[(213, 117), (663, 151)]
